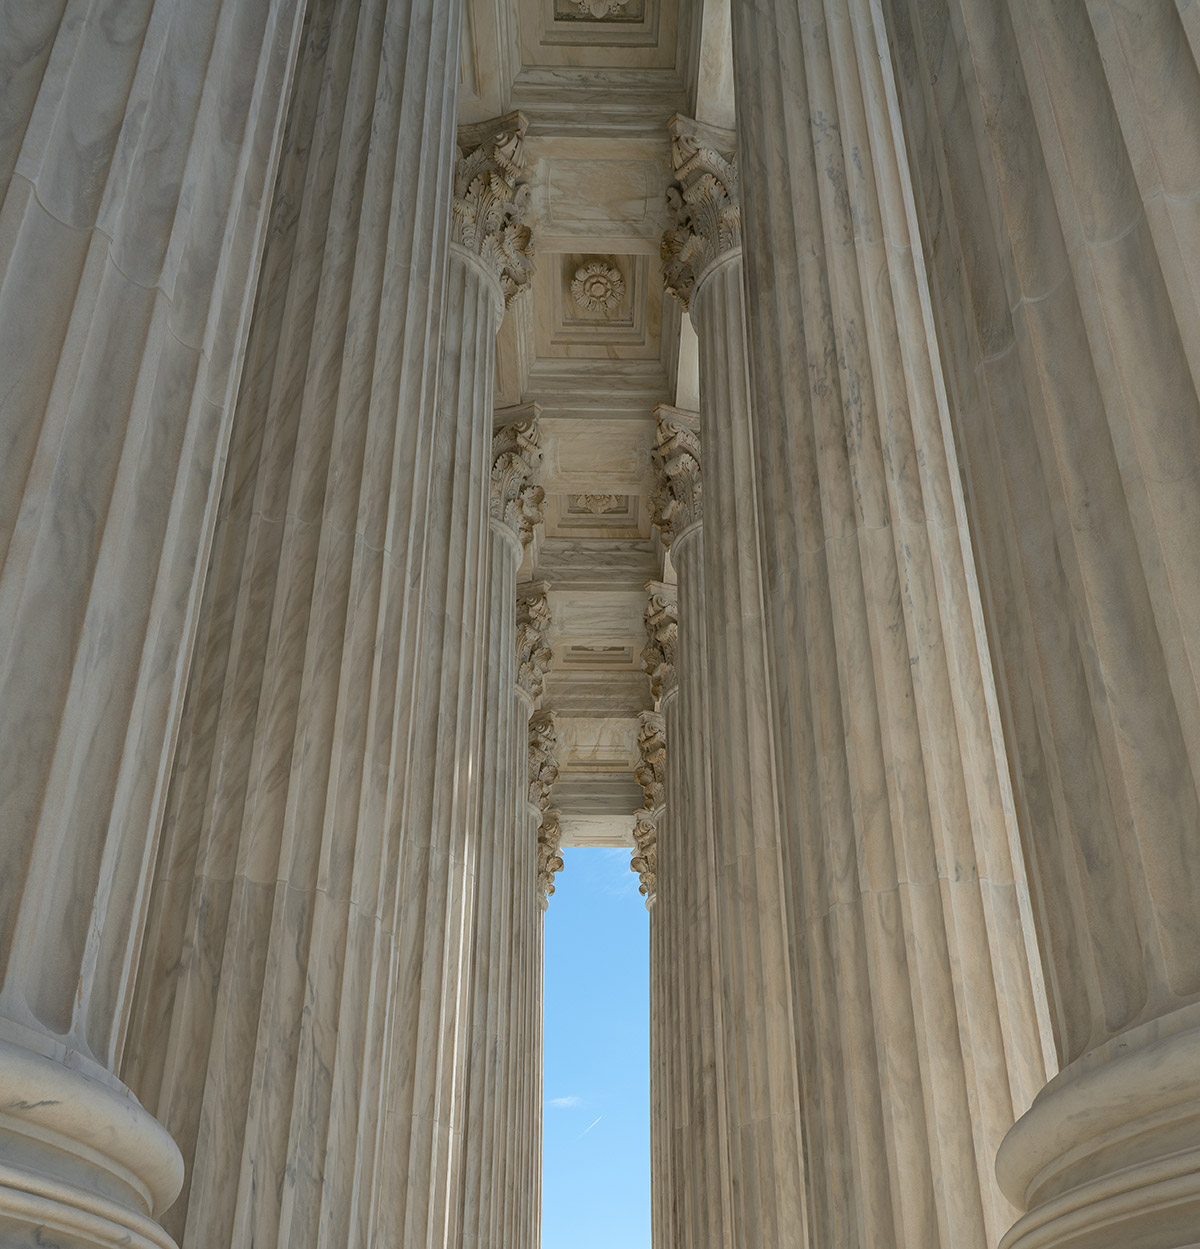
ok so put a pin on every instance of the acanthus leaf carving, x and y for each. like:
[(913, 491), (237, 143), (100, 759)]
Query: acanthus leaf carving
[(543, 758), (534, 656), (675, 502), (651, 771), (549, 855), (644, 859), (662, 632), (516, 499), (703, 204), (492, 199)]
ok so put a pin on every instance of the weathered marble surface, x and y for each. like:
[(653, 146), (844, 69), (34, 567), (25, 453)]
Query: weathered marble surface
[(1058, 194), (292, 874), (137, 154), (921, 1029)]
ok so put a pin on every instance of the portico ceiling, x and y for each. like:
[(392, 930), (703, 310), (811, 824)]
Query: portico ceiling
[(595, 346)]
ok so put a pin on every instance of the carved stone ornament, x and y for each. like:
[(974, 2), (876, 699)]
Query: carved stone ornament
[(662, 632), (534, 656), (601, 504), (600, 9), (543, 758), (651, 772), (549, 856), (706, 217), (491, 200), (675, 502), (644, 859), (516, 499), (598, 286)]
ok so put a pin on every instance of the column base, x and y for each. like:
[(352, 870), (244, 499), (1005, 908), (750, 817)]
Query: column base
[(1108, 1156), (82, 1164)]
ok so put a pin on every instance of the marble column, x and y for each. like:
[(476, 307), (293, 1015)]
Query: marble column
[(499, 1028), (341, 661), (668, 1041), (687, 859), (1059, 194), (921, 1027), (138, 150), (534, 659)]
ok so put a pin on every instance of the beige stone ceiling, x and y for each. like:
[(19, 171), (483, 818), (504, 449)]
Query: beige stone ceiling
[(595, 346)]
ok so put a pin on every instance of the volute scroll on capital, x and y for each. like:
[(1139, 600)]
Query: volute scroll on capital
[(703, 205), (492, 200), (516, 500), (676, 501)]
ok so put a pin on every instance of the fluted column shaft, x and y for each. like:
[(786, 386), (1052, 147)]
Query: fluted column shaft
[(419, 1192), (139, 146), (745, 820), (499, 1030), (921, 1027), (703, 1148), (1060, 202), (487, 1067)]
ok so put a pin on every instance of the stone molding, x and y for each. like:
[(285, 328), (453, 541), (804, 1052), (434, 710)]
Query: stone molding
[(516, 499), (651, 771), (534, 656), (703, 205), (662, 632), (492, 200), (676, 502)]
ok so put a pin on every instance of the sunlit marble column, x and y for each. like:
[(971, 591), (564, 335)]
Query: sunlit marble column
[(1058, 187), (499, 1030), (138, 149), (666, 1058), (686, 859), (702, 268), (325, 803), (524, 1165), (921, 1027)]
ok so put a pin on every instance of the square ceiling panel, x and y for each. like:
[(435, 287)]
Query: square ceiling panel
[(628, 33)]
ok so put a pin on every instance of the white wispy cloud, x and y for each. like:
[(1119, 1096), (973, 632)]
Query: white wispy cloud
[(565, 1103)]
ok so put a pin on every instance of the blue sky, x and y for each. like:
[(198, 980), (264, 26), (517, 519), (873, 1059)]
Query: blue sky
[(596, 1162)]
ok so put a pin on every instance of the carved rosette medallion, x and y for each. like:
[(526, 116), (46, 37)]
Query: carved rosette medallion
[(598, 286), (703, 205), (644, 859), (662, 633), (491, 200), (601, 504), (516, 500), (675, 503), (534, 656), (651, 771)]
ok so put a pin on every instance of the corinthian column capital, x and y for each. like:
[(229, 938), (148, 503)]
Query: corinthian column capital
[(662, 632), (543, 758), (491, 200), (550, 860), (651, 771), (534, 655), (644, 859), (703, 203), (516, 499), (675, 503)]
